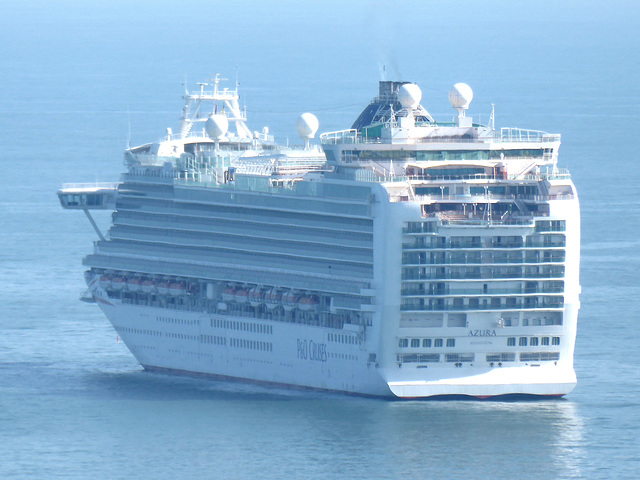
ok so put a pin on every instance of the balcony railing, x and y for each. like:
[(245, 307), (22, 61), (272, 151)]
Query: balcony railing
[(505, 135), (488, 306), (418, 293)]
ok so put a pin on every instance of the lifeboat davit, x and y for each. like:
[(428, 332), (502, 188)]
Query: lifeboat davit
[(148, 286), (177, 289), (242, 295), (134, 284), (104, 282), (163, 288), (256, 296), (309, 302), (289, 300), (272, 298), (118, 283)]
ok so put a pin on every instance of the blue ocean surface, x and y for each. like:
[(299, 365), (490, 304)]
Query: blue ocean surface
[(78, 80)]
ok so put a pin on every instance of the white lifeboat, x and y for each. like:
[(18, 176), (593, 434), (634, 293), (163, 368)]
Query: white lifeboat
[(118, 283), (256, 296), (309, 302), (163, 288), (177, 288), (134, 284), (241, 295), (273, 298), (289, 300), (148, 286), (229, 294)]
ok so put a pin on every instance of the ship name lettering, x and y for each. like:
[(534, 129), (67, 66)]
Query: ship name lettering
[(303, 350), (310, 350), (482, 333)]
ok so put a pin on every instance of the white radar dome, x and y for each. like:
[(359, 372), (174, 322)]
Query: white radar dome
[(409, 95), (216, 126), (307, 125), (460, 96)]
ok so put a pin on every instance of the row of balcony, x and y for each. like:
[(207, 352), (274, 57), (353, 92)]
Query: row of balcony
[(434, 243), (518, 276), (441, 306), (540, 226), (416, 262), (446, 292)]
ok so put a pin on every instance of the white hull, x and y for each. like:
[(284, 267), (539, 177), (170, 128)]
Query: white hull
[(301, 356)]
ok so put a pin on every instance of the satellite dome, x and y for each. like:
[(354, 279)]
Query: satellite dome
[(409, 95), (216, 126), (307, 125), (460, 96)]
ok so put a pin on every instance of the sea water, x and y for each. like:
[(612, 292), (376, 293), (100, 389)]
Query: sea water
[(78, 80)]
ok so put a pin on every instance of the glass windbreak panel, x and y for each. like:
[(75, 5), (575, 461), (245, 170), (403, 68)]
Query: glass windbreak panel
[(452, 155), (550, 226), (430, 191), (517, 152), (453, 172)]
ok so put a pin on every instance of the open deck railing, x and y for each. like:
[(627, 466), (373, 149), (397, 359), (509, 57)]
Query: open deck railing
[(507, 134)]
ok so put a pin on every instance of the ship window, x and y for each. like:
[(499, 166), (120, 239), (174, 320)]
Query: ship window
[(523, 341), (550, 356), (511, 342), (426, 343), (544, 341), (451, 342), (415, 342), (530, 357), (555, 341), (437, 342), (404, 343), (533, 341), (501, 357), (459, 357)]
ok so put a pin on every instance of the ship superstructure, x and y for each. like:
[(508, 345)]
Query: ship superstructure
[(422, 258)]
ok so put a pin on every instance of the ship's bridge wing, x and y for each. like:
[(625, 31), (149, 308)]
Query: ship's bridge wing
[(88, 196)]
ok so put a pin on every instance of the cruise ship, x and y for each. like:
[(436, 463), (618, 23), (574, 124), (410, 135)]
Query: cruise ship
[(409, 258)]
